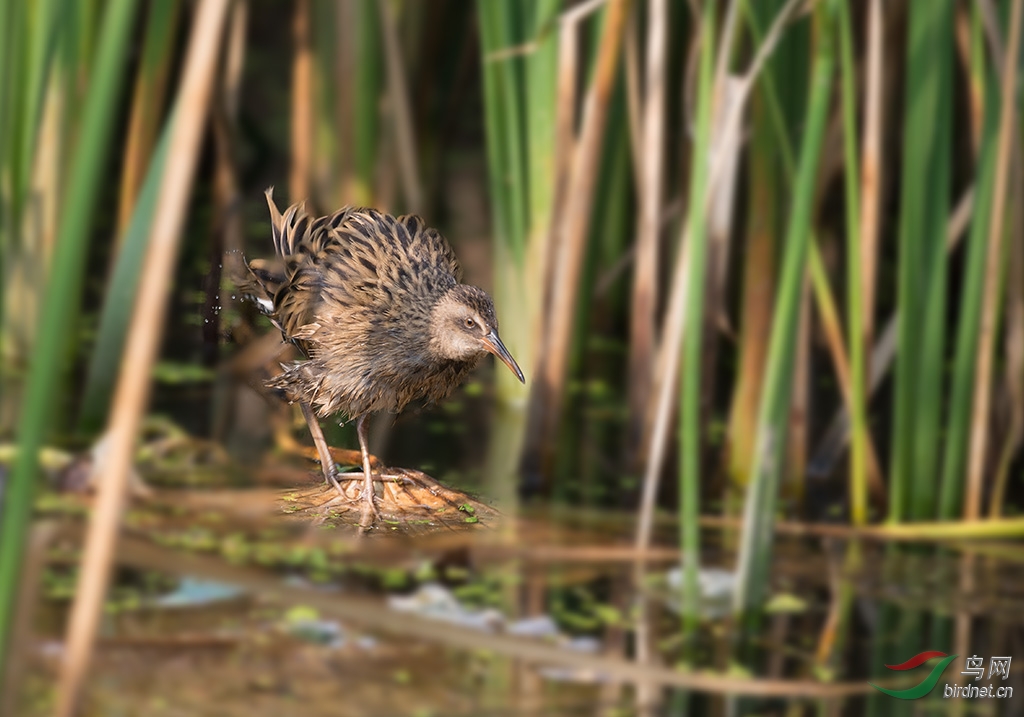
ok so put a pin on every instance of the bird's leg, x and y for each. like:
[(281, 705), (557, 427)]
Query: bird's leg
[(326, 461), (369, 509)]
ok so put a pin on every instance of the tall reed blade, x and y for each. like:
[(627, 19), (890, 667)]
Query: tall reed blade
[(507, 137), (690, 379), (645, 274), (951, 487), (105, 363), (925, 187), (367, 92), (29, 47), (994, 268), (854, 285), (759, 514), (776, 106), (130, 397), (45, 377), (570, 236)]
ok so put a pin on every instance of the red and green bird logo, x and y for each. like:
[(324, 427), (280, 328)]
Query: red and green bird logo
[(927, 684)]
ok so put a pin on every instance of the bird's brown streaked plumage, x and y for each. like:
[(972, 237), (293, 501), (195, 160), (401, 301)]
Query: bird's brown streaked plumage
[(375, 304)]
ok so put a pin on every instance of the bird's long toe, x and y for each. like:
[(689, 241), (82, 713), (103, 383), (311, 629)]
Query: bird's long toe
[(331, 478), (370, 514)]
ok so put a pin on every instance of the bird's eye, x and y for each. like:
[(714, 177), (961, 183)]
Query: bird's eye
[(470, 323)]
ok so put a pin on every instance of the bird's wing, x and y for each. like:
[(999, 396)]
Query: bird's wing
[(261, 282)]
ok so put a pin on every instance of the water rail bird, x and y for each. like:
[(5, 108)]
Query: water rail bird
[(375, 304)]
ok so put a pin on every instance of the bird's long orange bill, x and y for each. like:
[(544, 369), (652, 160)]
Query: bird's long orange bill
[(493, 344)]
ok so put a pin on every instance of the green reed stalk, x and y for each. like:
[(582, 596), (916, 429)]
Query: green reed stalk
[(519, 104), (996, 272), (690, 380), (119, 302), (502, 109), (759, 510), (781, 101), (87, 15), (8, 32), (541, 86), (143, 167), (922, 261), (13, 55), (326, 134), (507, 19), (56, 328), (822, 292), (29, 53), (968, 329), (367, 83), (505, 147), (854, 285), (44, 27), (503, 113)]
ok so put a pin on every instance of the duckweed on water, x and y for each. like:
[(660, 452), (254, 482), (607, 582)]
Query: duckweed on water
[(48, 503), (786, 603), (195, 538)]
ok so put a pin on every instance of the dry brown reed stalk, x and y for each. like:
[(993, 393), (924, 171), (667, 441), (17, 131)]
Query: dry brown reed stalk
[(990, 23), (228, 229), (302, 103), (400, 110), (642, 339), (146, 116), (374, 614), (719, 218), (572, 227), (647, 135), (758, 278), (667, 366), (566, 96), (225, 118), (1014, 340), (871, 171), (634, 96), (234, 57), (987, 337), (33, 573), (198, 79), (792, 482), (975, 84)]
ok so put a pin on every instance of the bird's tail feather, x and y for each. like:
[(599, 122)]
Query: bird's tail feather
[(287, 228)]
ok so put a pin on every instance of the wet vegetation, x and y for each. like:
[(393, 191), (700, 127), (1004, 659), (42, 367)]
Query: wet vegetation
[(762, 263)]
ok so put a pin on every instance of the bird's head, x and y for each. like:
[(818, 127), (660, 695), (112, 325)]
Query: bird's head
[(463, 327)]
